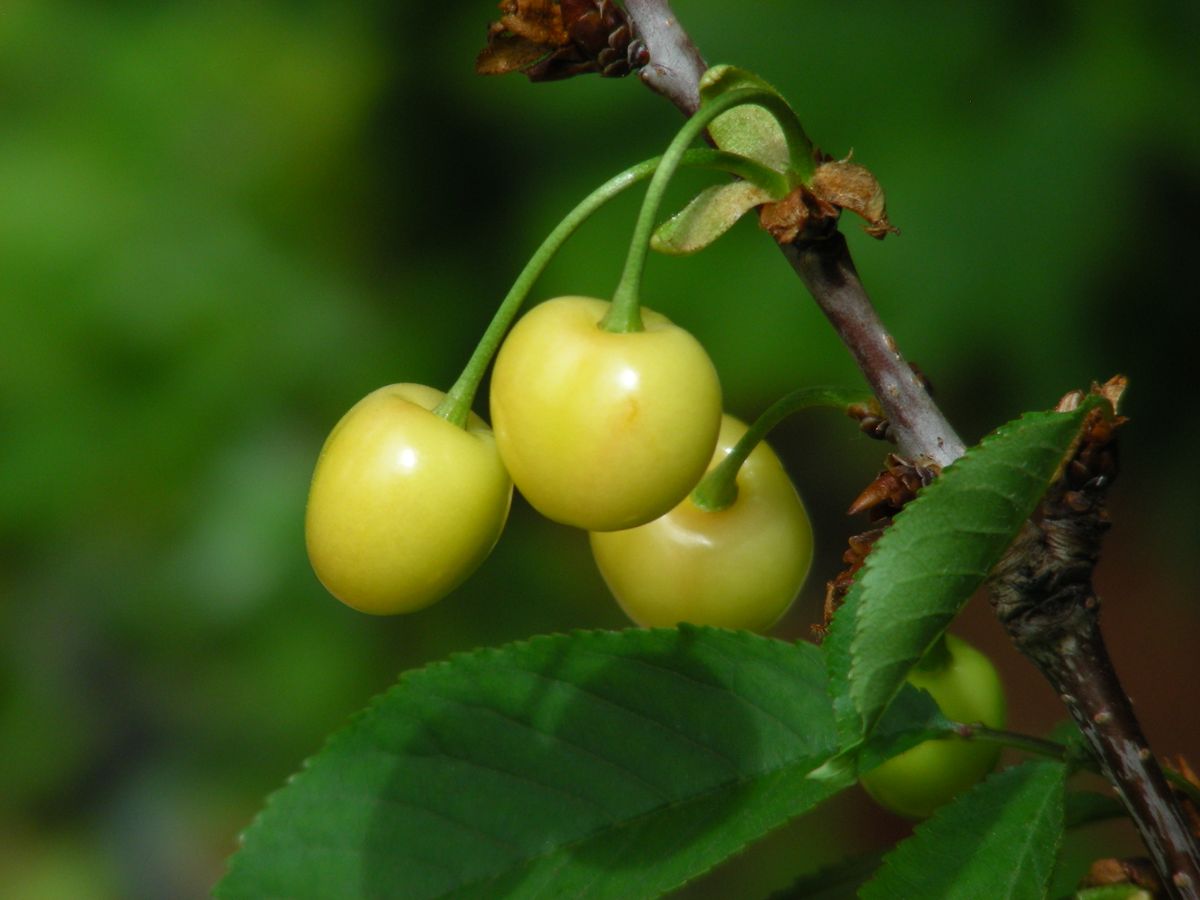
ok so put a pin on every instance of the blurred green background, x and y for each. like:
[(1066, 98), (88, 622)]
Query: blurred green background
[(223, 223)]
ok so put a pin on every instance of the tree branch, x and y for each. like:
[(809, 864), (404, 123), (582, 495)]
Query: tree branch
[(1066, 645), (918, 425), (675, 64), (1058, 632), (1043, 595), (1080, 670)]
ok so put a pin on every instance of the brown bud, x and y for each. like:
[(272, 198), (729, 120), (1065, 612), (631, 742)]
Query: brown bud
[(1138, 872), (549, 41), (850, 186), (800, 214), (527, 31), (898, 483), (883, 498), (871, 421), (836, 590)]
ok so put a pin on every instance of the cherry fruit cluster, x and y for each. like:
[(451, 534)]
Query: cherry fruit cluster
[(600, 430), (608, 417)]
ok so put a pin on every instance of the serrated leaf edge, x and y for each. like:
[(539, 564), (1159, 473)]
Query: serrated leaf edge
[(478, 654), (862, 581), (921, 827)]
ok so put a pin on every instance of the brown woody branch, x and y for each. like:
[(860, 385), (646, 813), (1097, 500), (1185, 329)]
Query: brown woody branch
[(1057, 630), (917, 424), (1043, 595), (675, 64)]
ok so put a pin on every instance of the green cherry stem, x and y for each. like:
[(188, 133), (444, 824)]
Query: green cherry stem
[(625, 313), (456, 406), (1053, 750), (1027, 743), (718, 489)]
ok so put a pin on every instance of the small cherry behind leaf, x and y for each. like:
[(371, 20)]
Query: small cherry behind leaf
[(603, 430), (737, 567), (403, 505), (966, 687)]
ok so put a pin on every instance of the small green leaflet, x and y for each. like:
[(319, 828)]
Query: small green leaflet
[(935, 555), (748, 131), (707, 216), (999, 840), (597, 764)]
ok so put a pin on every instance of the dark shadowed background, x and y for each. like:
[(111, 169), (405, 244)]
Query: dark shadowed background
[(223, 223)]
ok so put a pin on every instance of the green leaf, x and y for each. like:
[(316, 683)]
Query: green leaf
[(938, 551), (1115, 892), (836, 648), (600, 764), (745, 130), (709, 215), (999, 840), (911, 719), (897, 730), (751, 130)]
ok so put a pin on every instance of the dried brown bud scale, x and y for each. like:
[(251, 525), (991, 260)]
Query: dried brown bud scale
[(1136, 872), (848, 185), (550, 41), (895, 486)]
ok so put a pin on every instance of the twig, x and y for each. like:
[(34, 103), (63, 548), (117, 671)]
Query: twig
[(675, 64), (1087, 683), (1060, 635), (918, 425), (977, 731)]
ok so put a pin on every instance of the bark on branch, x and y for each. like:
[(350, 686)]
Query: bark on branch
[(675, 64), (917, 423), (1043, 595)]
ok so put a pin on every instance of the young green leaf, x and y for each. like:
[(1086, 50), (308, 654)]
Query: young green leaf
[(599, 764), (709, 215), (999, 840), (938, 551), (753, 131)]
